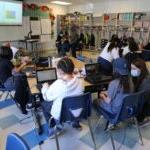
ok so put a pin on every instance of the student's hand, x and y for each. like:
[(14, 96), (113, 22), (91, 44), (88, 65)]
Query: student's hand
[(45, 85), (104, 92), (24, 64), (102, 96)]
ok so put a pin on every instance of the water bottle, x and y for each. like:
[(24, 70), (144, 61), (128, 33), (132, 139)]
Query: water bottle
[(49, 62)]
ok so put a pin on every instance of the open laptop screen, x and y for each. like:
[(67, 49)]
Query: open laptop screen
[(92, 69), (46, 75)]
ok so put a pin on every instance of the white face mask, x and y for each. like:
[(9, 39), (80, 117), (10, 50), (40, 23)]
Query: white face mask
[(135, 72)]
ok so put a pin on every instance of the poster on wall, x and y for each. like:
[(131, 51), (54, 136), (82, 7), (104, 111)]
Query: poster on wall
[(45, 38), (26, 25), (46, 26), (36, 27)]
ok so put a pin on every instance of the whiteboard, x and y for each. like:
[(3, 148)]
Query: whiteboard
[(10, 33), (36, 27), (46, 26)]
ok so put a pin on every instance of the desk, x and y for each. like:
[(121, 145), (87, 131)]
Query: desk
[(148, 66), (33, 89), (78, 64), (87, 86)]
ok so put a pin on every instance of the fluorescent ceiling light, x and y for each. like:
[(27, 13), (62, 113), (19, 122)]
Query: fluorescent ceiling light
[(61, 3)]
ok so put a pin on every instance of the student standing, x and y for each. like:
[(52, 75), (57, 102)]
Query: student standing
[(74, 40), (109, 53)]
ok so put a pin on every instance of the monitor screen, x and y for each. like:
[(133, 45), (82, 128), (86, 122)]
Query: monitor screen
[(10, 12), (46, 75), (92, 69)]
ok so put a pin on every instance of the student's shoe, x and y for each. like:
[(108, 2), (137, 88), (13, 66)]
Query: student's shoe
[(52, 132), (111, 127), (77, 125), (146, 122), (29, 106), (24, 111)]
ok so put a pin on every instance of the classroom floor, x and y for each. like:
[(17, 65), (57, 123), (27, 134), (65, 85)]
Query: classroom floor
[(11, 120)]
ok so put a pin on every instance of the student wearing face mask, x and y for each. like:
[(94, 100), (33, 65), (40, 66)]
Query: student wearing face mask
[(120, 87), (141, 81), (66, 85), (140, 75)]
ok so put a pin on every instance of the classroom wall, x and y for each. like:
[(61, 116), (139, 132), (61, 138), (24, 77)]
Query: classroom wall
[(8, 33), (113, 6)]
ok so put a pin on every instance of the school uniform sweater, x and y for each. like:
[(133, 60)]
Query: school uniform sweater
[(58, 90)]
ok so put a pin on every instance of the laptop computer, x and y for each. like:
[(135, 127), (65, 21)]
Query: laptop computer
[(94, 74), (45, 75)]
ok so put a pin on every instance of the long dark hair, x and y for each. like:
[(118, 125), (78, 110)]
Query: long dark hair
[(124, 82), (6, 52), (133, 46), (140, 63), (114, 43)]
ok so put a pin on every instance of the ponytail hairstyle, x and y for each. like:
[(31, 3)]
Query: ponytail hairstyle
[(114, 43), (120, 52), (125, 84), (133, 46), (6, 52)]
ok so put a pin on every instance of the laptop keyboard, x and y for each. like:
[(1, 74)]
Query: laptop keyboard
[(98, 79)]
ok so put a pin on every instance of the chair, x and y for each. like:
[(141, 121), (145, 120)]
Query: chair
[(128, 110), (3, 89), (15, 142), (132, 56), (77, 108), (146, 55)]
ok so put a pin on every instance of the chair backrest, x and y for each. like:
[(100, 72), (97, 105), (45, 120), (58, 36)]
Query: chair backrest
[(146, 55), (75, 108), (130, 107), (15, 142)]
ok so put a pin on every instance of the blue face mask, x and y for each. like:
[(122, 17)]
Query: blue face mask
[(135, 72)]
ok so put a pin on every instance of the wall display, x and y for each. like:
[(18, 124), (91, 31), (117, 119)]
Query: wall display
[(26, 25), (46, 26), (36, 27)]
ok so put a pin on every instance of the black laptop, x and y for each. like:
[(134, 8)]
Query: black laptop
[(45, 75), (94, 74)]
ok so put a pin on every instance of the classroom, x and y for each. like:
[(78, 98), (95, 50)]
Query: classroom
[(74, 75)]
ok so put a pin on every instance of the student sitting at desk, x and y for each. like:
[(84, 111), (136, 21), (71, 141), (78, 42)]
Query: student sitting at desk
[(10, 76), (111, 99), (66, 85), (17, 53), (141, 80)]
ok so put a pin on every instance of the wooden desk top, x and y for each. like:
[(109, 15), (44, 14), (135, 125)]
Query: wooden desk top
[(148, 66), (33, 89), (78, 64)]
